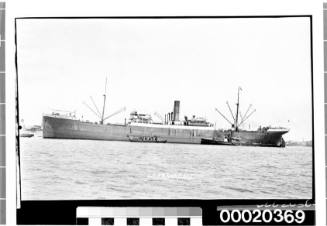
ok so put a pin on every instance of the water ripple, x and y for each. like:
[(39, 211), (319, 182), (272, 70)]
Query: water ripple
[(82, 169)]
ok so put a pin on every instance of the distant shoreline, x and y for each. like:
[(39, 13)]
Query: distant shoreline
[(299, 143)]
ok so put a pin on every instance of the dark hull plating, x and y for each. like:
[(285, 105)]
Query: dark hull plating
[(63, 128)]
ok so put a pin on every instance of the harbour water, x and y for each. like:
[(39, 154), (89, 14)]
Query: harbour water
[(54, 169)]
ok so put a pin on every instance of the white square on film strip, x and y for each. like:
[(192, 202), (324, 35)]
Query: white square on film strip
[(139, 216)]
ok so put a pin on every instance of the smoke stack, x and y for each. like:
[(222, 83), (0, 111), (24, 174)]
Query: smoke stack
[(176, 110)]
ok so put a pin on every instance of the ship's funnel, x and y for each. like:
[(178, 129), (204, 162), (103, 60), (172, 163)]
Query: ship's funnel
[(176, 110)]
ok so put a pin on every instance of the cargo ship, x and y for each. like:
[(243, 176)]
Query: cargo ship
[(141, 128)]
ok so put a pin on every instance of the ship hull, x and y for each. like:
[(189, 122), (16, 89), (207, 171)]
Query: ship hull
[(259, 138), (63, 128), (263, 138)]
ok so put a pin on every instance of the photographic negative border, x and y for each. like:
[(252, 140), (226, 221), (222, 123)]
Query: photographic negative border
[(28, 212)]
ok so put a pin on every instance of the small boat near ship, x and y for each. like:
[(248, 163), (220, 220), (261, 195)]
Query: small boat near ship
[(216, 142), (28, 135), (28, 131)]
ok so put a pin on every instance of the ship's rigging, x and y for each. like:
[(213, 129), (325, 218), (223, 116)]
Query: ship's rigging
[(236, 124), (101, 116)]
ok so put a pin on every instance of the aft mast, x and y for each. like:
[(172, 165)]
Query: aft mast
[(235, 121), (237, 108), (104, 102)]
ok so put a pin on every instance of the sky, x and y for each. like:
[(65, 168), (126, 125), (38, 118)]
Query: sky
[(149, 63)]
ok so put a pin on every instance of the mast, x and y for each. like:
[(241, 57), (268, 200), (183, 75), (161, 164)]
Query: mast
[(104, 102), (237, 108), (238, 114)]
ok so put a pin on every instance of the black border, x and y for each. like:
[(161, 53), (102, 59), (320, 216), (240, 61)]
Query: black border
[(64, 211)]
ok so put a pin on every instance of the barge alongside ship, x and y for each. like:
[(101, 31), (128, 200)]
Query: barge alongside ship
[(171, 130)]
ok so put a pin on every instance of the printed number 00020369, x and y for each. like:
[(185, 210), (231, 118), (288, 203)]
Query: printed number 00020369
[(261, 216)]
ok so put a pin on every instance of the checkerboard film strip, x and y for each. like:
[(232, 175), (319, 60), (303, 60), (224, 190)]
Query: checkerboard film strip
[(325, 78), (139, 216), (2, 117)]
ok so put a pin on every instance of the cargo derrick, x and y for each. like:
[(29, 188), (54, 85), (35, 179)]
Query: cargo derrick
[(263, 136)]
